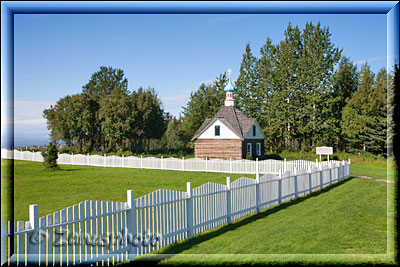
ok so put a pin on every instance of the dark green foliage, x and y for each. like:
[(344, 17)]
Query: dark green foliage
[(394, 114), (106, 117), (249, 96), (345, 83), (171, 139), (303, 92), (203, 104), (365, 115), (50, 156), (289, 89)]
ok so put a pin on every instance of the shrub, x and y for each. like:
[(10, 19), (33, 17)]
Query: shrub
[(248, 156), (50, 157)]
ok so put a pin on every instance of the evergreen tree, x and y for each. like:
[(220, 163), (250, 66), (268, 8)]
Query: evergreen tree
[(203, 104), (270, 120), (394, 115), (375, 135), (358, 111), (249, 96), (345, 83), (50, 157), (316, 68), (296, 81)]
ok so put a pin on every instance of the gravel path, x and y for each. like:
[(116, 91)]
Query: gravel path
[(379, 180)]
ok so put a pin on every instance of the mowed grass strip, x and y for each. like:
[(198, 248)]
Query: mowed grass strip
[(379, 169), (55, 190), (347, 218)]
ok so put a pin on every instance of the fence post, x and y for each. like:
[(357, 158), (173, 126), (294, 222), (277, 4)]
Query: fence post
[(183, 163), (131, 224), (32, 243), (230, 165), (348, 173), (3, 242), (122, 161), (295, 183), (141, 161), (72, 158), (206, 164), (280, 187), (258, 191), (284, 165), (189, 209), (257, 170), (343, 169), (228, 200), (330, 173), (88, 159), (321, 178), (104, 162), (161, 165), (310, 179)]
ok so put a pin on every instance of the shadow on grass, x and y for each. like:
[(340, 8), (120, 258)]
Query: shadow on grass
[(71, 170), (183, 245)]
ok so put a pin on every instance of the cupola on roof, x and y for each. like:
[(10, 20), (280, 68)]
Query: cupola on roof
[(229, 87)]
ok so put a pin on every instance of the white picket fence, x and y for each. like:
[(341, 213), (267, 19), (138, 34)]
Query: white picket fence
[(152, 221), (195, 164)]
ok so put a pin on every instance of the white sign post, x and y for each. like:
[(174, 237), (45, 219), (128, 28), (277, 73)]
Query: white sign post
[(324, 150)]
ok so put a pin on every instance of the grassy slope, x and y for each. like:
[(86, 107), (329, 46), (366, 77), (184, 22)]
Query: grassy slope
[(56, 190), (349, 218), (368, 165)]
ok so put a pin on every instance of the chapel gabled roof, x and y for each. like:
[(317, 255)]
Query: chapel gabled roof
[(233, 118)]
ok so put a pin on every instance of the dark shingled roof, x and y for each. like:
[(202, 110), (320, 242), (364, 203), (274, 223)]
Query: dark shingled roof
[(233, 118)]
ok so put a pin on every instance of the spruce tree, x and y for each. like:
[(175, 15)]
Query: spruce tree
[(249, 96), (359, 110), (345, 83), (203, 104), (50, 156)]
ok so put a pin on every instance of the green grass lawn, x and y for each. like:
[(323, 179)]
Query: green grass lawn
[(345, 220), (348, 218), (55, 190), (376, 169)]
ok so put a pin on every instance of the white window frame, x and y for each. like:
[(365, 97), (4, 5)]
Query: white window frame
[(258, 149), (249, 150)]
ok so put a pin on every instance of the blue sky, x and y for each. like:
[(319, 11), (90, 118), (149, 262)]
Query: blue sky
[(55, 55)]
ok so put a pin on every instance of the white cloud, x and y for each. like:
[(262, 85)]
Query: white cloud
[(30, 122), (30, 112), (363, 61), (174, 98)]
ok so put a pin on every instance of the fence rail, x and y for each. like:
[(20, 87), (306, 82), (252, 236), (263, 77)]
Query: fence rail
[(194, 164), (124, 230)]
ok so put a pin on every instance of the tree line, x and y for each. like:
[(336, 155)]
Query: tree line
[(303, 92), (107, 117)]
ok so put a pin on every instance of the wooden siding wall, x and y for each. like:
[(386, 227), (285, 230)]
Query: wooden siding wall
[(218, 148)]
